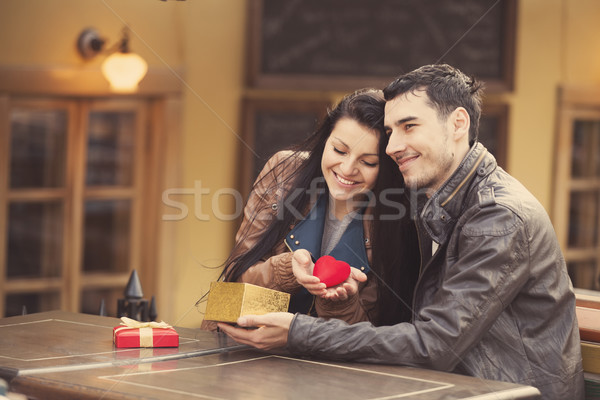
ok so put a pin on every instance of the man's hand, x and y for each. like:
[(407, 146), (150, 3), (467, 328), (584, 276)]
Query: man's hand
[(272, 330)]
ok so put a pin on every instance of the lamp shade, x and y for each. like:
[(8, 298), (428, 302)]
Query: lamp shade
[(124, 71)]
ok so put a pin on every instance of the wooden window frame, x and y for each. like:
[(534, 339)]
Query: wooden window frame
[(498, 114), (574, 103), (251, 109), (157, 157)]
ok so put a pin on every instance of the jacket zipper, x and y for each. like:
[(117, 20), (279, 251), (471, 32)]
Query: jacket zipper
[(420, 273), (421, 267)]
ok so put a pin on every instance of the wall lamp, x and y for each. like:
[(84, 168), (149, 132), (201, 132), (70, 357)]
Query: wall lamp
[(122, 68)]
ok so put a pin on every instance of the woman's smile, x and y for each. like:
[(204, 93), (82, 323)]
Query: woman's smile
[(344, 181)]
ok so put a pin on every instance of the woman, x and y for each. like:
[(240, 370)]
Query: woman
[(323, 197)]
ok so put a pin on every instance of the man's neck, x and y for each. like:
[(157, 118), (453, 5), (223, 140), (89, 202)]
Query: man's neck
[(459, 156)]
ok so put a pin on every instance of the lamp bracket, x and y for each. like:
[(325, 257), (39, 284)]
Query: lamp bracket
[(89, 43)]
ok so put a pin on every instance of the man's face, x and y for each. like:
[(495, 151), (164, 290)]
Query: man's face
[(419, 142)]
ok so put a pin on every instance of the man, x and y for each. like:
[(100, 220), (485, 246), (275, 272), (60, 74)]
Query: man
[(493, 298)]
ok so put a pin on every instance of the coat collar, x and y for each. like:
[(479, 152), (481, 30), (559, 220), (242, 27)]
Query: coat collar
[(444, 207), (308, 235)]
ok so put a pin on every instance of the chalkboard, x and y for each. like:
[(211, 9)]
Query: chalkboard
[(271, 125), (347, 44)]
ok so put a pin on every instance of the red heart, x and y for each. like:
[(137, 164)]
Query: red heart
[(331, 271)]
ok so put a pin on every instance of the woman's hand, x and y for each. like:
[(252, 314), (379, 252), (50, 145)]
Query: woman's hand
[(347, 288), (303, 266)]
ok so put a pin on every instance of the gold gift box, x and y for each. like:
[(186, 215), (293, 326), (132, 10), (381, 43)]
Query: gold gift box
[(227, 301)]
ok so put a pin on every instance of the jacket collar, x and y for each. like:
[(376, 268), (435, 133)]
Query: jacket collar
[(308, 234), (444, 207)]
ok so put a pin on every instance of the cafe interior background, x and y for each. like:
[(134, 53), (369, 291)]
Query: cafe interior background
[(97, 181)]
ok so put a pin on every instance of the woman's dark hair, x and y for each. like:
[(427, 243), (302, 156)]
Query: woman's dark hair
[(396, 254), (366, 107)]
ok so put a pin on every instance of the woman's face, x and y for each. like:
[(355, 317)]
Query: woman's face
[(350, 162)]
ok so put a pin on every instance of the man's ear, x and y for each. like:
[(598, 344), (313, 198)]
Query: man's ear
[(460, 123)]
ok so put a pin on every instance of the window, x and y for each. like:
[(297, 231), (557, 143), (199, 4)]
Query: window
[(576, 211), (78, 194)]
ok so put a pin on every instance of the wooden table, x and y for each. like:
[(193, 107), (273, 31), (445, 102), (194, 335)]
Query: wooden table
[(60, 355)]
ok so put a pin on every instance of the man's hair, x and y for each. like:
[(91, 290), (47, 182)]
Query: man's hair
[(447, 89)]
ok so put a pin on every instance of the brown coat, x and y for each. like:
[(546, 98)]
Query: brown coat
[(274, 270)]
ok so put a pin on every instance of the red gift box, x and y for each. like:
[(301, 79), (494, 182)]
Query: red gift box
[(137, 334)]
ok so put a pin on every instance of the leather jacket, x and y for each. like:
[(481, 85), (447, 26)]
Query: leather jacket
[(274, 270), (494, 301)]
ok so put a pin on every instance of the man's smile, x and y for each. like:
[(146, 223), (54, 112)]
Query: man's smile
[(404, 161)]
